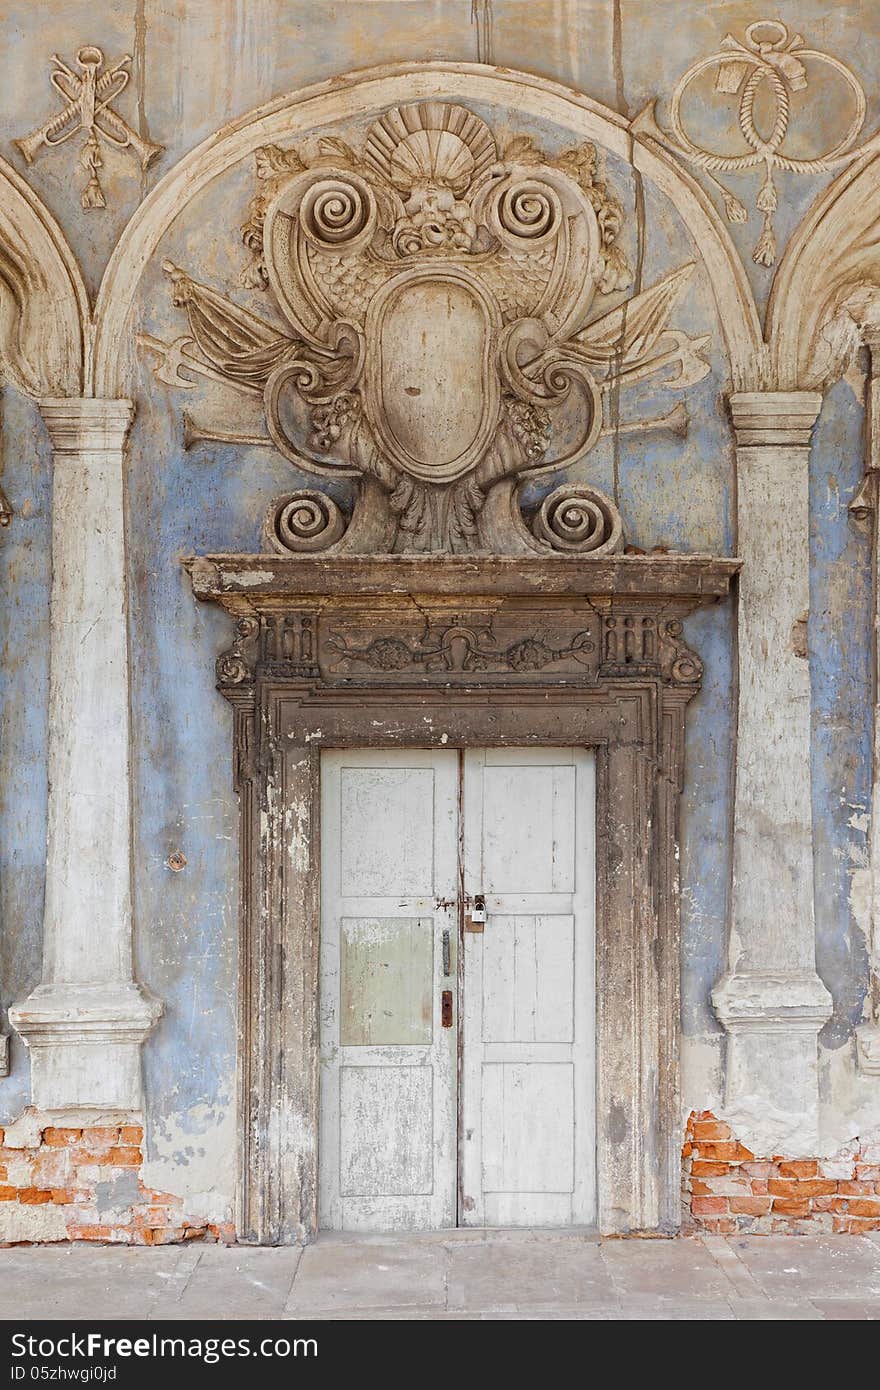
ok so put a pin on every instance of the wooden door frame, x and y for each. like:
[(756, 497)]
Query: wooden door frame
[(454, 653)]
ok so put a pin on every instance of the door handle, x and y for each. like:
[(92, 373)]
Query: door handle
[(446, 1008)]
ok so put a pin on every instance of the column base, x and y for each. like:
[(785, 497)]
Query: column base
[(772, 1021), (85, 1043), (868, 1048)]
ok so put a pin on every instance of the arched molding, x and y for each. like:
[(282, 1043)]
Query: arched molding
[(44, 305), (359, 94), (830, 268)]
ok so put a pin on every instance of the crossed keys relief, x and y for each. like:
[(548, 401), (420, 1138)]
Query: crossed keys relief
[(440, 343), (88, 98)]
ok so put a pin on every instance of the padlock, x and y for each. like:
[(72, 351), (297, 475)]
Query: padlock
[(476, 917)]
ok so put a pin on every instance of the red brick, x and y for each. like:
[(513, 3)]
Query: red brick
[(125, 1157), (131, 1134), (799, 1168), (759, 1168), (99, 1139), (2, 1136), (759, 1187), (727, 1150), (63, 1196), (855, 1189), (854, 1226), (687, 1149), (869, 1172), (702, 1168), (784, 1207), (719, 1226), (224, 1232), (750, 1206), (808, 1187), (8, 1194), (700, 1188), (822, 1203), (863, 1206), (34, 1196), (163, 1235), (710, 1129), (77, 1232), (58, 1138), (709, 1206), (152, 1216)]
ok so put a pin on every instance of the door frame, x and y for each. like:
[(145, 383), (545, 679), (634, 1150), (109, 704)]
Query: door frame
[(559, 653)]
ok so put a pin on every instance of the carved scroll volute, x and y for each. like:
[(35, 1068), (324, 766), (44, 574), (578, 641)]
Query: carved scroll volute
[(535, 209), (325, 209)]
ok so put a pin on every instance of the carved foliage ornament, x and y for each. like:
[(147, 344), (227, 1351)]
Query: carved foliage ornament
[(763, 72), (443, 350), (88, 96)]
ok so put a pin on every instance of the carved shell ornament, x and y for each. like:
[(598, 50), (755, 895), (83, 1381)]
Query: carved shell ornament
[(442, 342)]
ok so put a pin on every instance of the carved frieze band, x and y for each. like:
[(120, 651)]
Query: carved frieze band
[(505, 641)]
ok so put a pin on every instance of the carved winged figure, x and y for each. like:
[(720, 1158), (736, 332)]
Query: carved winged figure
[(438, 296)]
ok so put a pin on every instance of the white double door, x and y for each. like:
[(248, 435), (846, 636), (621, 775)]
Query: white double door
[(457, 1056)]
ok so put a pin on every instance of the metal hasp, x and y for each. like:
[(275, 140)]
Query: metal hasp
[(475, 919)]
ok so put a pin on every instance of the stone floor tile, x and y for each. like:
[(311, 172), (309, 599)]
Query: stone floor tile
[(336, 1275), (794, 1268), (241, 1282), (565, 1270), (848, 1309), (676, 1268), (774, 1310)]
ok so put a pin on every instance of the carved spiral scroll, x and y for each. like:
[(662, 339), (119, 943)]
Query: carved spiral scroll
[(580, 520), (337, 212), (528, 210), (303, 522)]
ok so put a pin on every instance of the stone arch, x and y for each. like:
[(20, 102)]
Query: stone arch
[(44, 305), (376, 88), (832, 256)]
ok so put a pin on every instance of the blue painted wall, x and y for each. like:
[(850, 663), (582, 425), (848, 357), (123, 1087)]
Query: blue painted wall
[(198, 64)]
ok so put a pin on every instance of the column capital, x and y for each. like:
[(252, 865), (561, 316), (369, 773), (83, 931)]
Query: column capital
[(762, 1001), (774, 419), (86, 424)]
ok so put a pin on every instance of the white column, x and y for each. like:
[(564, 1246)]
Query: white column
[(86, 1020), (866, 506), (771, 1001)]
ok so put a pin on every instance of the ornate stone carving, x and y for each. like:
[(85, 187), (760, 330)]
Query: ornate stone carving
[(769, 64), (462, 646), (461, 652), (89, 96), (440, 293)]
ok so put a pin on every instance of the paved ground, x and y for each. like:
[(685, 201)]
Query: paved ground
[(525, 1274)]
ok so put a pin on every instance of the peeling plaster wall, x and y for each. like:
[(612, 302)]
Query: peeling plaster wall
[(197, 64)]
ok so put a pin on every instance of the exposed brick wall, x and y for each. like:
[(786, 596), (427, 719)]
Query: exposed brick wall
[(726, 1189), (84, 1184)]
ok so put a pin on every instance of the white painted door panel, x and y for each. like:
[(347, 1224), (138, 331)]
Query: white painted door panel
[(389, 851), (528, 1084)]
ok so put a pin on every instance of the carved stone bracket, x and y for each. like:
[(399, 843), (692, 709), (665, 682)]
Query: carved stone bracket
[(459, 652)]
